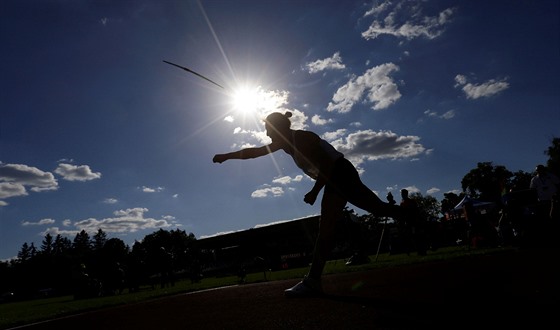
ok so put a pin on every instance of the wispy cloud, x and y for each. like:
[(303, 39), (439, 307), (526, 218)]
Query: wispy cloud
[(128, 220), (152, 190), (433, 190), (404, 19), (446, 115), (486, 89), (41, 222), (330, 63)]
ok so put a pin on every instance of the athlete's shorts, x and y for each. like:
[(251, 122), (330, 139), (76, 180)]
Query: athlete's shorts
[(345, 180)]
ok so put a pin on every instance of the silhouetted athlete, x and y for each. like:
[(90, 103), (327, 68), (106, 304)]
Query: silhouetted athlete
[(328, 167)]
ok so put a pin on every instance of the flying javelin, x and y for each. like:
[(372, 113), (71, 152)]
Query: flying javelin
[(195, 73)]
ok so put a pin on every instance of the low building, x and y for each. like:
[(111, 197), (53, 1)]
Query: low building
[(270, 247)]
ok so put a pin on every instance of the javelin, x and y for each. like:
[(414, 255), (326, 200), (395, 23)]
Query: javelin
[(195, 73)]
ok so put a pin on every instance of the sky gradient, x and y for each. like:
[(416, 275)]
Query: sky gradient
[(96, 131)]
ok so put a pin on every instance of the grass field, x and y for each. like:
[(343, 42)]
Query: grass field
[(27, 312)]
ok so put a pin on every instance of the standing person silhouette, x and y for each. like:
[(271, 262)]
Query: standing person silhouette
[(328, 167), (547, 186)]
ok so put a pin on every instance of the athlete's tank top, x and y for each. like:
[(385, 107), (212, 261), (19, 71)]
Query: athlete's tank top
[(310, 166)]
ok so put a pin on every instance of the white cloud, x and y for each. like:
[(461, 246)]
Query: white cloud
[(76, 173), (404, 19), (412, 189), (110, 201), (265, 192), (433, 190), (370, 145), (129, 220), (317, 120), (486, 89), (152, 190), (287, 179), (10, 189), (447, 115), (15, 177), (330, 136), (39, 223), (330, 63), (375, 86)]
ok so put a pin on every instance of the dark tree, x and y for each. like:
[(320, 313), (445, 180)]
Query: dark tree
[(47, 245), (99, 240), (25, 253), (62, 246), (520, 181), (450, 200), (110, 263), (553, 152), (82, 243), (428, 205), (486, 182)]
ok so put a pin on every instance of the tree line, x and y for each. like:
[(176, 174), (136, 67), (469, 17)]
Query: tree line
[(97, 265)]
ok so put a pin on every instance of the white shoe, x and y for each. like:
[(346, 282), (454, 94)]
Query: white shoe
[(306, 288)]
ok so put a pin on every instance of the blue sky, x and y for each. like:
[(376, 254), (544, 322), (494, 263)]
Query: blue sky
[(97, 132)]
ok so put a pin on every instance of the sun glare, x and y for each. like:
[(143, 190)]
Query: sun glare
[(254, 103), (247, 100)]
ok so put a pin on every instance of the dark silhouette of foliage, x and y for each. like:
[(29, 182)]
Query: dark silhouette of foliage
[(428, 205), (99, 240), (486, 182), (520, 181), (47, 245), (450, 200), (553, 153)]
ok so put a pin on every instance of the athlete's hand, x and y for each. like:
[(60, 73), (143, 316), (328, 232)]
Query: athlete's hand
[(310, 197), (219, 158)]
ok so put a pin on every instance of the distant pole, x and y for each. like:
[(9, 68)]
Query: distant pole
[(380, 240)]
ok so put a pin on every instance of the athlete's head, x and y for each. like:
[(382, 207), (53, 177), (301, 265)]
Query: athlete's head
[(277, 123)]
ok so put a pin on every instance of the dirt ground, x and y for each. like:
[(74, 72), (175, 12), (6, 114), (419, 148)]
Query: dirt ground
[(508, 290)]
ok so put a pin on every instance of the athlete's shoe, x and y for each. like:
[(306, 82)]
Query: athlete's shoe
[(306, 288)]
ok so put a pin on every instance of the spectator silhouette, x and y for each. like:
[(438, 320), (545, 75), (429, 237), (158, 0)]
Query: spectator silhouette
[(415, 225), (391, 199), (328, 167), (547, 186)]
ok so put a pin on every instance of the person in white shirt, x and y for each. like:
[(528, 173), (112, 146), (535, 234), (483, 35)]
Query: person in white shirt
[(547, 186)]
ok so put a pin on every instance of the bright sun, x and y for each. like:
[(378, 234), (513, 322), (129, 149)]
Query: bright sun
[(247, 100)]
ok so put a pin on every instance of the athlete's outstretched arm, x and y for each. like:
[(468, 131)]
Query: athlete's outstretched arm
[(246, 153)]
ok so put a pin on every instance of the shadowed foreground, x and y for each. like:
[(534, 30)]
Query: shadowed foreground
[(513, 289)]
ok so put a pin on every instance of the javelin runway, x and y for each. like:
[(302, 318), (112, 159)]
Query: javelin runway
[(514, 289)]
